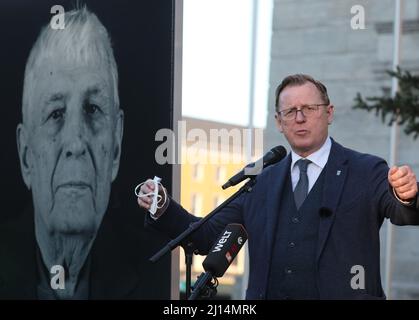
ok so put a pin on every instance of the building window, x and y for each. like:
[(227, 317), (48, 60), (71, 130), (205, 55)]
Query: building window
[(196, 204), (197, 172), (220, 173), (217, 201)]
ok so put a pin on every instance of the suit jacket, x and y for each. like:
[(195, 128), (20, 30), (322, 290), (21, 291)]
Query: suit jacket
[(356, 199), (119, 266)]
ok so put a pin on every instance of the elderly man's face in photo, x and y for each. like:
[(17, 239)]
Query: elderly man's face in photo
[(73, 139)]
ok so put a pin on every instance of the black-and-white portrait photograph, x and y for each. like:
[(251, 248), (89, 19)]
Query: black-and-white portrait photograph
[(86, 84)]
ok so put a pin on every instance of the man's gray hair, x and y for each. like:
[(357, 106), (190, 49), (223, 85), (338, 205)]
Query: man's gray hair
[(84, 40)]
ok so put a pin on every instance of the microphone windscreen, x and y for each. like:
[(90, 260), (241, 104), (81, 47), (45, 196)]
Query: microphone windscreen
[(225, 249)]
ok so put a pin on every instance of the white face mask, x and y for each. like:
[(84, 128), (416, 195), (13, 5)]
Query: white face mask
[(158, 200)]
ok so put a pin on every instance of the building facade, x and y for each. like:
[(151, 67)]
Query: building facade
[(212, 152)]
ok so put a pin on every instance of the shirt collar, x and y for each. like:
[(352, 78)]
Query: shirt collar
[(319, 157)]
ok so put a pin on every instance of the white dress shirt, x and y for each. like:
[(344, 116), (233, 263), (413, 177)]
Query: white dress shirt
[(318, 162)]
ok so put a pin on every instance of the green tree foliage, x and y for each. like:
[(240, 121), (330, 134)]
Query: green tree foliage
[(404, 106)]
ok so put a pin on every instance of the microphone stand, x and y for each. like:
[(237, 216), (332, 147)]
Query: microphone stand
[(193, 227), (204, 288)]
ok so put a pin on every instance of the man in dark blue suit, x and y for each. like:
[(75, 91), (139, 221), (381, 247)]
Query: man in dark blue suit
[(314, 217)]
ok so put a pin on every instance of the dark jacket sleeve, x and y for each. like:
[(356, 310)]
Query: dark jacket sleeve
[(389, 206), (176, 219)]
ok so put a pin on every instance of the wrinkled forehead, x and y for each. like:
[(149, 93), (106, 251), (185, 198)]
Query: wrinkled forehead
[(55, 75), (299, 94), (65, 66), (58, 72), (73, 77)]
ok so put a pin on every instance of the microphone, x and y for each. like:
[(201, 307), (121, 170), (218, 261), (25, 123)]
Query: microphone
[(274, 155), (220, 256)]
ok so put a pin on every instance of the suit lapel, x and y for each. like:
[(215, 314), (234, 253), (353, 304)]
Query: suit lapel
[(276, 184), (335, 175)]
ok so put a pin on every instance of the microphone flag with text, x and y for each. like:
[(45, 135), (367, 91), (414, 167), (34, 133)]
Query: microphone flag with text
[(274, 155), (220, 257)]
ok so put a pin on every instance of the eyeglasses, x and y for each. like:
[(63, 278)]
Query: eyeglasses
[(308, 110)]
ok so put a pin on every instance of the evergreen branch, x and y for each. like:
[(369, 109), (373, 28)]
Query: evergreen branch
[(404, 106)]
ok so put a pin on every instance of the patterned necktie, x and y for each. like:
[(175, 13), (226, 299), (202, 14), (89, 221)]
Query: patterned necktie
[(301, 190)]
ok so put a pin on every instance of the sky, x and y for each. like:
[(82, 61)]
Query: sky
[(217, 60)]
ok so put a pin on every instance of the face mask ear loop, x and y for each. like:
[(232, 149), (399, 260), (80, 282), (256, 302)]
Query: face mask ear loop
[(159, 197)]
